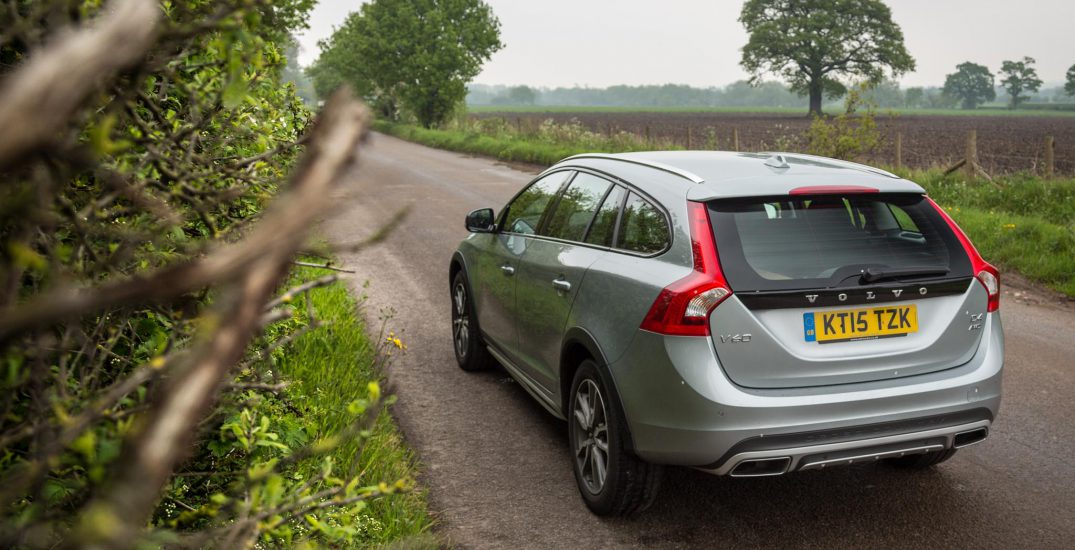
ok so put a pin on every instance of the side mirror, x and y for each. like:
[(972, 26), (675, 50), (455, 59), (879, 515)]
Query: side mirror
[(481, 221)]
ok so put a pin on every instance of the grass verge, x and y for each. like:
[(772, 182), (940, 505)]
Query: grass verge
[(329, 368), (1022, 223), (494, 138)]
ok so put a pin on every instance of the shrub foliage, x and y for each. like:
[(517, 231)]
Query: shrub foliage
[(136, 268)]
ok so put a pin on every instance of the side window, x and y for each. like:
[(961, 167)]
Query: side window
[(904, 219), (524, 213), (576, 207), (643, 227), (605, 223)]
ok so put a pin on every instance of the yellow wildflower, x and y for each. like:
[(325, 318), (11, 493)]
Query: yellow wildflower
[(395, 341)]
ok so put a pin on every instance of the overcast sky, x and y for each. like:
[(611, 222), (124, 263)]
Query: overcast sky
[(599, 43)]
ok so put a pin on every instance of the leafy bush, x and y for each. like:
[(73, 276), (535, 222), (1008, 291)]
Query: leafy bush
[(134, 269), (849, 135)]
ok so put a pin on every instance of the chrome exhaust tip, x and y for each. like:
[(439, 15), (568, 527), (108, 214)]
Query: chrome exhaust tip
[(968, 438), (761, 467)]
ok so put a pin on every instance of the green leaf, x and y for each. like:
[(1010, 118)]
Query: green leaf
[(25, 257)]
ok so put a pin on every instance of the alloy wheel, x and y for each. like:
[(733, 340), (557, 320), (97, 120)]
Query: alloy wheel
[(460, 321), (591, 436)]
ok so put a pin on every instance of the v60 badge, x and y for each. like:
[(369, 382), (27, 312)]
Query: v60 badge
[(734, 338)]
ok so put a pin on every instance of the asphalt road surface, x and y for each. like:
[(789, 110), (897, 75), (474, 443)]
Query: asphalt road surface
[(497, 465)]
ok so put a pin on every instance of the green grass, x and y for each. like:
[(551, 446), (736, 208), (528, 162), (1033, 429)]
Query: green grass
[(1052, 201), (330, 367), (1039, 250), (985, 112), (1021, 223)]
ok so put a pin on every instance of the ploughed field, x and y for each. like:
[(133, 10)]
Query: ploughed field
[(1005, 143)]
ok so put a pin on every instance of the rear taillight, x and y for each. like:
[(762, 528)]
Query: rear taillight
[(683, 308), (983, 270)]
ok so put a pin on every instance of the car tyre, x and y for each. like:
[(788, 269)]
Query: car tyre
[(922, 461), (611, 480), (470, 350)]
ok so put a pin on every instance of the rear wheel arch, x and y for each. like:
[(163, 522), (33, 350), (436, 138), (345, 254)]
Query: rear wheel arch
[(579, 345)]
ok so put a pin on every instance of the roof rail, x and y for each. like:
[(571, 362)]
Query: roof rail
[(650, 163)]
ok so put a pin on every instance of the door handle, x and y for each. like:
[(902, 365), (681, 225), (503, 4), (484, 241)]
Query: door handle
[(561, 285), (508, 270)]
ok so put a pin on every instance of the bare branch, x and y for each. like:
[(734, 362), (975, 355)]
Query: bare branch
[(40, 97), (258, 386), (380, 235), (323, 266), (292, 292)]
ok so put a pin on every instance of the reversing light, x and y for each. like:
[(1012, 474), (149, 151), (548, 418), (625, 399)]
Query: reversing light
[(985, 273), (683, 307)]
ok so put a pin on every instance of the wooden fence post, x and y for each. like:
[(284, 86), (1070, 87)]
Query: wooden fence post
[(690, 137), (1050, 160), (970, 167), (518, 125), (735, 139), (609, 128), (899, 151), (648, 141)]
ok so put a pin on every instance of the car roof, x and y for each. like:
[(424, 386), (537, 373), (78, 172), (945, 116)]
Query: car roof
[(708, 175)]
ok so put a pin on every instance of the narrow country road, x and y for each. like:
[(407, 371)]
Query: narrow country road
[(497, 465)]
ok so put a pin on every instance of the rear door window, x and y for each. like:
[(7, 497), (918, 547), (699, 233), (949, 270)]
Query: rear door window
[(643, 227), (604, 224), (575, 208), (826, 241), (524, 214)]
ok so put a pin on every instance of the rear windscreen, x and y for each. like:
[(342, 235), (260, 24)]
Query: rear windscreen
[(826, 241)]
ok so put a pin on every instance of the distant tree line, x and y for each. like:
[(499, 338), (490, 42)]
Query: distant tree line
[(738, 94), (971, 88), (973, 84)]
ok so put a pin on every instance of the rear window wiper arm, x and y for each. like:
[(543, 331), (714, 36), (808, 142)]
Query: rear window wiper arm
[(872, 275)]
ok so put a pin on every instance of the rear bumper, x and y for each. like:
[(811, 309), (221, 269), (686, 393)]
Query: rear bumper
[(780, 460), (682, 409)]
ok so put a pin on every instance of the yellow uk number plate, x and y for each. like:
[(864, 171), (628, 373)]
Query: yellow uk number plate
[(826, 327)]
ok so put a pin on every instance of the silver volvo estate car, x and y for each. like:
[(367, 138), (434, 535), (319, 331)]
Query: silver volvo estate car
[(744, 314)]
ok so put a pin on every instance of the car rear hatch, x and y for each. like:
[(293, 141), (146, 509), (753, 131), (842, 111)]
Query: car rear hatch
[(841, 288)]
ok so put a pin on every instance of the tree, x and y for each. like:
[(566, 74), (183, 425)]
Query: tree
[(1069, 86), (971, 83), (414, 54), (812, 43), (1019, 77), (522, 95), (294, 74), (884, 94), (914, 97)]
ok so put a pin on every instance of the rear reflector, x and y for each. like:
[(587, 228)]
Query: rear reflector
[(683, 307), (832, 190), (984, 271)]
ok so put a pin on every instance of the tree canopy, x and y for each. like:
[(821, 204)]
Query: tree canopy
[(972, 84), (412, 55), (1069, 85), (813, 43), (1019, 77), (522, 95)]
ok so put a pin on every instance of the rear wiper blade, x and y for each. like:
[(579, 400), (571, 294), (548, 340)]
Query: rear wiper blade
[(872, 275)]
